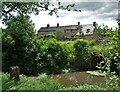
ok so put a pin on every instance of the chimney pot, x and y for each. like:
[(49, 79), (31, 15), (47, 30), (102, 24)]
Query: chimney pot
[(94, 23), (57, 24), (78, 23), (48, 25)]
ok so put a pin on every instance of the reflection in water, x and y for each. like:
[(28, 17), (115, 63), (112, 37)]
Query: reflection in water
[(79, 78)]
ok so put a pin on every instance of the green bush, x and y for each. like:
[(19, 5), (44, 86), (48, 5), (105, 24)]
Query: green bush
[(110, 60), (48, 36), (81, 55), (52, 56), (91, 42), (112, 81), (95, 59)]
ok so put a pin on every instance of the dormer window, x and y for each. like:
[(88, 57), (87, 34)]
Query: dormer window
[(88, 30)]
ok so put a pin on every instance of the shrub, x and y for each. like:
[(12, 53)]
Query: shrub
[(91, 42), (52, 56), (95, 59), (81, 55), (48, 36), (110, 60), (112, 82), (40, 83)]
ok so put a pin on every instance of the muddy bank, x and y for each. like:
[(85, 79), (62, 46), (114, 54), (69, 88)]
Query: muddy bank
[(79, 78)]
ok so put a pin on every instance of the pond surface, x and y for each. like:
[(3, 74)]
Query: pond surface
[(79, 78)]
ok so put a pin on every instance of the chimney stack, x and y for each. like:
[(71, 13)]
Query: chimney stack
[(57, 24), (78, 23), (94, 23), (48, 25)]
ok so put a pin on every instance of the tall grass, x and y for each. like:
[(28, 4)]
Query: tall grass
[(86, 87), (39, 83), (0, 81)]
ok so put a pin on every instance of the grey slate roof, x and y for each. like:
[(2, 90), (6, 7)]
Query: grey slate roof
[(42, 29), (69, 27)]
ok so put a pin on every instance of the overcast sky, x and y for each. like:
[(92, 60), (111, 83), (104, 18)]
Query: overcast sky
[(101, 12)]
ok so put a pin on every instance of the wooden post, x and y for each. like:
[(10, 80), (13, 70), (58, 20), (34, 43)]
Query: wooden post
[(14, 73)]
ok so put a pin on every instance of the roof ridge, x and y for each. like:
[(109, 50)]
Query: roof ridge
[(66, 25)]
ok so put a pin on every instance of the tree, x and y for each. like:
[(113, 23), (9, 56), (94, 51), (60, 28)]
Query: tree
[(19, 44), (59, 33), (81, 34), (101, 34)]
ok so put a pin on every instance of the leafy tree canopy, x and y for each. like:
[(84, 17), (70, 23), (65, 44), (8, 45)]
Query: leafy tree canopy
[(18, 42), (59, 32)]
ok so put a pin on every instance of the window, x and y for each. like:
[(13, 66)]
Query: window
[(65, 30), (72, 36), (63, 36), (88, 30)]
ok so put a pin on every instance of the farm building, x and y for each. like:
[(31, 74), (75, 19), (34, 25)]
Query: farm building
[(70, 32)]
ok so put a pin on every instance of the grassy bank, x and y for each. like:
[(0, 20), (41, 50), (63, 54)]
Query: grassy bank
[(41, 82)]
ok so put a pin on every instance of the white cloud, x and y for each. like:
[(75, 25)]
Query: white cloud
[(88, 16), (69, 19)]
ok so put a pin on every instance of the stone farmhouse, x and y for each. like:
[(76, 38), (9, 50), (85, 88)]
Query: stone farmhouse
[(71, 32)]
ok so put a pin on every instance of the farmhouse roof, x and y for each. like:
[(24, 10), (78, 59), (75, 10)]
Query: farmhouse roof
[(69, 27)]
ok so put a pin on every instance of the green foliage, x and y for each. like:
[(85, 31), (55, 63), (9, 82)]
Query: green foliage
[(109, 61), (7, 46), (26, 8), (112, 81), (49, 36), (20, 47), (81, 54), (59, 33), (113, 34), (82, 57), (18, 44), (91, 42), (80, 31), (0, 82), (101, 31), (80, 44), (52, 56), (86, 87), (42, 82)]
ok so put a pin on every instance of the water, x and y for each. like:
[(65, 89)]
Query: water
[(79, 78)]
